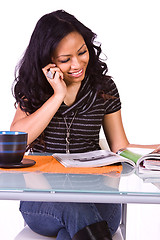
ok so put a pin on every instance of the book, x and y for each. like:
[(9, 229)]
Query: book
[(99, 158)]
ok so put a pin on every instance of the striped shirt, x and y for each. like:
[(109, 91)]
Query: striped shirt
[(85, 117)]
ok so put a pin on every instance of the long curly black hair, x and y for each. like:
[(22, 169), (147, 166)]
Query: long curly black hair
[(30, 87)]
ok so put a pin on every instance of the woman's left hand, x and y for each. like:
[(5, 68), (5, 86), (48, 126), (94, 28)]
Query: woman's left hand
[(157, 150)]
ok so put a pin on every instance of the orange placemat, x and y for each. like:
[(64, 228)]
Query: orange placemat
[(49, 164)]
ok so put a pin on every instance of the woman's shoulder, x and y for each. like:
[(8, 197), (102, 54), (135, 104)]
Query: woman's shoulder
[(108, 87)]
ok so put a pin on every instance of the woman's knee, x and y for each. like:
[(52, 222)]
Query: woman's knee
[(111, 213), (39, 220)]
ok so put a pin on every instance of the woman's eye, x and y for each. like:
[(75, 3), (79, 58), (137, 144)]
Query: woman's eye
[(64, 61), (81, 53)]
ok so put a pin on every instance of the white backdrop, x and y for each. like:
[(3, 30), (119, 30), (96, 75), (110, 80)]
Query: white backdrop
[(130, 37)]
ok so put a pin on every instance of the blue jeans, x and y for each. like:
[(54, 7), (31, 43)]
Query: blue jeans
[(65, 219)]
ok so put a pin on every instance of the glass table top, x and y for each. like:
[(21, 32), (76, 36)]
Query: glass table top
[(128, 182)]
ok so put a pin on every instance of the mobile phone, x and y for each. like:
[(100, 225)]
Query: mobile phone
[(50, 74)]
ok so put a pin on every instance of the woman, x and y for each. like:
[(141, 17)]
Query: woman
[(64, 96)]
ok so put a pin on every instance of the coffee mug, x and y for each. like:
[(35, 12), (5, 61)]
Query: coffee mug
[(12, 146)]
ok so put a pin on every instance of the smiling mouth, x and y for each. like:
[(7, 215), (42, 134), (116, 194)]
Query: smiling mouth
[(77, 74)]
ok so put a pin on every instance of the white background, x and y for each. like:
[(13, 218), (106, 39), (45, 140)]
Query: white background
[(130, 37)]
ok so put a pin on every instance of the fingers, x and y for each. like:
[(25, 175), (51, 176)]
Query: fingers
[(50, 71), (55, 78), (47, 68), (157, 150)]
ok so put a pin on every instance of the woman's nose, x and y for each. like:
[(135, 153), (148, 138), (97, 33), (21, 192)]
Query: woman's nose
[(75, 64)]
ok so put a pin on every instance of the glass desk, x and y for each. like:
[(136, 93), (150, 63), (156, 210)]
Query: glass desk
[(124, 188), (110, 188)]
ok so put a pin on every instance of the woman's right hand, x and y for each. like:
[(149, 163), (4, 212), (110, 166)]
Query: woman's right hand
[(35, 123), (57, 82)]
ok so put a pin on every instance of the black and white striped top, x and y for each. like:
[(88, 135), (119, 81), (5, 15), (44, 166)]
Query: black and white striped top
[(84, 132)]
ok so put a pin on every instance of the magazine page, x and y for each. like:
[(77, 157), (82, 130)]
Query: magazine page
[(150, 161), (91, 159), (145, 159), (130, 154)]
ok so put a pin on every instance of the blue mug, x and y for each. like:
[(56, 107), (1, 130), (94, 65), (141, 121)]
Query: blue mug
[(12, 146)]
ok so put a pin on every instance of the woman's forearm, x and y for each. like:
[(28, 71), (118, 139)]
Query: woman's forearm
[(35, 123), (152, 146)]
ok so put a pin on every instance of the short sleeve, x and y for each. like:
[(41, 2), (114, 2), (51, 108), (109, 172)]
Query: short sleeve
[(113, 102)]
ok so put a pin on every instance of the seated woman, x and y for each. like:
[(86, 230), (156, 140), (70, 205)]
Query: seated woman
[(64, 96)]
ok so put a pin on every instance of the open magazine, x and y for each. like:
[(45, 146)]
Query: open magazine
[(99, 158), (145, 162)]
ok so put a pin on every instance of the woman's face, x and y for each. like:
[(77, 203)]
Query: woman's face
[(72, 57)]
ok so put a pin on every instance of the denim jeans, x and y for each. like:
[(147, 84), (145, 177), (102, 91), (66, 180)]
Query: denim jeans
[(65, 219)]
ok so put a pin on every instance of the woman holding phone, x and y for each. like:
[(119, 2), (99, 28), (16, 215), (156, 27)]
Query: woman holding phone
[(64, 96)]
